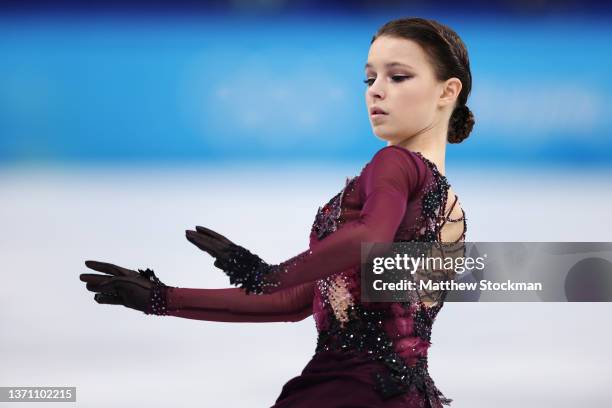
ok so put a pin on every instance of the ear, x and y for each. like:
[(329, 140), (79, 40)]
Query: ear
[(450, 90)]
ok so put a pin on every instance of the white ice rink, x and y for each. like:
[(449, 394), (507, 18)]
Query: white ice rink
[(53, 333)]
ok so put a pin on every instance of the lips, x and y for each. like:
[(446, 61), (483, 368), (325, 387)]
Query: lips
[(375, 110)]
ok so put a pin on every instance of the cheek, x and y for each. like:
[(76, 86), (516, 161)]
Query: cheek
[(414, 105), (413, 95)]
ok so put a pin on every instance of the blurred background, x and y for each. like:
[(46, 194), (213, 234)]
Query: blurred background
[(121, 126)]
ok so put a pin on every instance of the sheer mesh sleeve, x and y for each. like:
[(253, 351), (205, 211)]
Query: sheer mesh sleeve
[(387, 183), (234, 305)]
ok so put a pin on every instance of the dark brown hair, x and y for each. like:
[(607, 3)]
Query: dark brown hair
[(449, 58)]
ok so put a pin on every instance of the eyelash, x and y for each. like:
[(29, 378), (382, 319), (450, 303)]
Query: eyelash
[(396, 78)]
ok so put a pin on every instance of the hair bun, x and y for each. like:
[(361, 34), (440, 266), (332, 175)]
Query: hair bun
[(460, 124)]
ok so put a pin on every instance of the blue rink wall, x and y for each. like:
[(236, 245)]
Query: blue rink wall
[(129, 87)]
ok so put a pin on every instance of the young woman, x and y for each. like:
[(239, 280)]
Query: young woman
[(368, 354)]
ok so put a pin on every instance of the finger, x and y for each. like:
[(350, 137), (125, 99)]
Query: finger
[(193, 237), (208, 244), (104, 286), (107, 299), (205, 243), (109, 268), (100, 266), (117, 284), (110, 285), (213, 234), (93, 278)]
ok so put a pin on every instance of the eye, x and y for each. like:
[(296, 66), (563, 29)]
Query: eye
[(369, 81), (394, 78), (400, 78)]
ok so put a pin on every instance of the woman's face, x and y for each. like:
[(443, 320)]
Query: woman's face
[(400, 82)]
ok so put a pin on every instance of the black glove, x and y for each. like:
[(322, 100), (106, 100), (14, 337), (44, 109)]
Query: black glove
[(244, 268), (140, 290)]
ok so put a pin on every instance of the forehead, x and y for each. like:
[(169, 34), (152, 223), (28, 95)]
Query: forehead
[(387, 49)]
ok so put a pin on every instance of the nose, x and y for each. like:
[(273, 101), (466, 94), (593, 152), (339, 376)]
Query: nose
[(376, 91)]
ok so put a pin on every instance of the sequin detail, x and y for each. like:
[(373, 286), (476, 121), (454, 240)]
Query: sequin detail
[(335, 289), (405, 359), (428, 227), (327, 219), (245, 269), (158, 304)]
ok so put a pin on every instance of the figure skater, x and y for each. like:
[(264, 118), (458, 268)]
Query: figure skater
[(418, 81)]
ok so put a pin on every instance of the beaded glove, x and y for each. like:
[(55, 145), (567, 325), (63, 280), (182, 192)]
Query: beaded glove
[(140, 290), (245, 269)]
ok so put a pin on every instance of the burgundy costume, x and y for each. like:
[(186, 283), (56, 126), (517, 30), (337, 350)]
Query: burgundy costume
[(367, 354)]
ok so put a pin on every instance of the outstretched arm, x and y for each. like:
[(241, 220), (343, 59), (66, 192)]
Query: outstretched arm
[(143, 291), (387, 183), (235, 305)]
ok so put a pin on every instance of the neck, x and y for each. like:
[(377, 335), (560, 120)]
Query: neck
[(431, 143)]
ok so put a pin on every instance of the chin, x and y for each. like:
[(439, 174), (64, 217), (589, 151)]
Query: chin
[(383, 133)]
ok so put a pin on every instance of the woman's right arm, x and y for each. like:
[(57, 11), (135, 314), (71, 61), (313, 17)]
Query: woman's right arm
[(234, 305)]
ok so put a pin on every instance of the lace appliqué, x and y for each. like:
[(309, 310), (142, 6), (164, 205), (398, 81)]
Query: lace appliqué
[(328, 218), (405, 359)]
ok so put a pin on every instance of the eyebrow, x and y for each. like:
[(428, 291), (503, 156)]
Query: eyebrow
[(390, 65)]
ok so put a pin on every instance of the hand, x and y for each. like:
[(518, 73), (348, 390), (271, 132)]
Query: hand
[(216, 245), (121, 286), (244, 268)]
